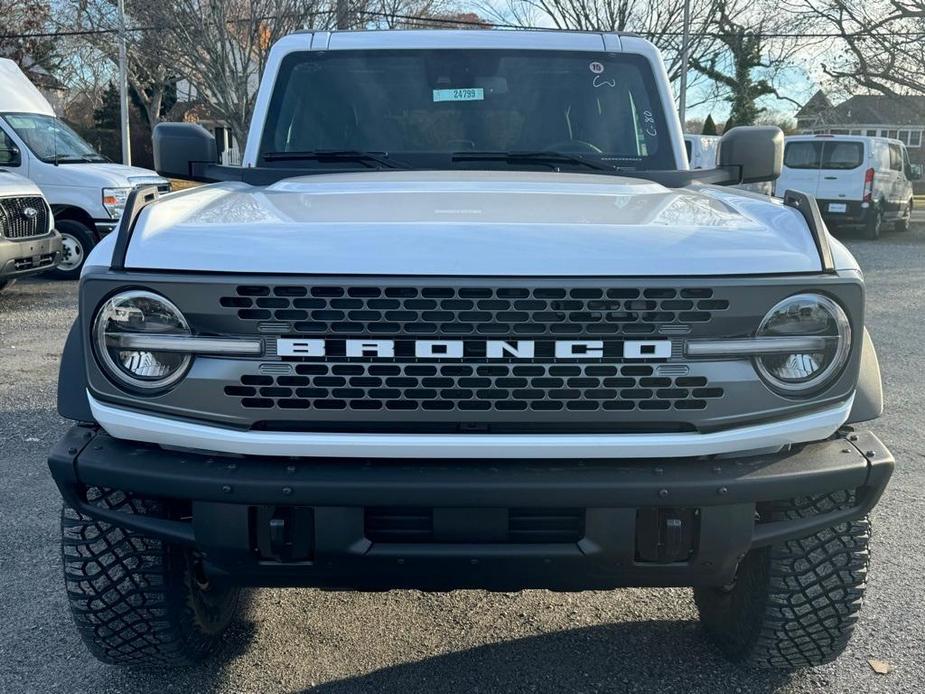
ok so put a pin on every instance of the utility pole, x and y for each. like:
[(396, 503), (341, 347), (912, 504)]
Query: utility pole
[(342, 14), (685, 60), (123, 88)]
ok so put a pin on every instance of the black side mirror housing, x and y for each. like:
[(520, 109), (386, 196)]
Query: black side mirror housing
[(915, 172), (10, 156), (757, 151), (177, 146)]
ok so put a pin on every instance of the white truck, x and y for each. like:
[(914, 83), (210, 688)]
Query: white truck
[(465, 318), (29, 244), (86, 191)]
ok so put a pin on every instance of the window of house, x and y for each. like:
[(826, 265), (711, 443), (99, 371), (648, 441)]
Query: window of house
[(839, 131), (892, 134), (871, 133), (915, 138), (855, 132), (904, 136)]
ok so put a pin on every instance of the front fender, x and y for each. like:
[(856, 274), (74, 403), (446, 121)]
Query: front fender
[(72, 378), (868, 399)]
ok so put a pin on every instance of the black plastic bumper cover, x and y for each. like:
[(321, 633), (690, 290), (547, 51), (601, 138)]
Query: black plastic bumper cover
[(223, 493)]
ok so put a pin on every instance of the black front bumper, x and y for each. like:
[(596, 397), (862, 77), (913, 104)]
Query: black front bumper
[(855, 213), (499, 525)]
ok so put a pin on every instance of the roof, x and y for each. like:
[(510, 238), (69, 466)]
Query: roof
[(458, 38), (818, 103), (18, 94), (869, 109)]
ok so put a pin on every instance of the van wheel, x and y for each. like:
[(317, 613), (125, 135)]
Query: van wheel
[(902, 224), (77, 242), (4, 284), (874, 224), (795, 604), (137, 600)]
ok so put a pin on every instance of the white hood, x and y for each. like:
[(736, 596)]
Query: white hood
[(14, 184), (94, 175), (471, 223)]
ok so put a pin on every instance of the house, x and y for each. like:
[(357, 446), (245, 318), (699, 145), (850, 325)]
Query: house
[(875, 115)]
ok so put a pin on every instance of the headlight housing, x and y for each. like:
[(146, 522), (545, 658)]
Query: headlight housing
[(805, 315), (139, 312), (114, 200)]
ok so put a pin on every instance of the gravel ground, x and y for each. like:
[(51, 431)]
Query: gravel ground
[(405, 641)]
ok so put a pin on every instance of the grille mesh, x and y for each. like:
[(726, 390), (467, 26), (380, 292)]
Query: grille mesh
[(16, 224), (472, 388), (452, 311)]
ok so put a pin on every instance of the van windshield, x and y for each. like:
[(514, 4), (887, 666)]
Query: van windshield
[(446, 108), (50, 139)]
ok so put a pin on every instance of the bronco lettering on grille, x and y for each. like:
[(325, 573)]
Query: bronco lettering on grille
[(484, 349)]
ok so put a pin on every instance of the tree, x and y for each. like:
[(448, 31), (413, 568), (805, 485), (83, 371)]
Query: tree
[(880, 44), (744, 71), (709, 127), (221, 47)]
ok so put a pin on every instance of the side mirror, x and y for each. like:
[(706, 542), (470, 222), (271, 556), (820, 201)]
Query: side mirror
[(10, 156), (915, 172), (758, 152), (177, 146)]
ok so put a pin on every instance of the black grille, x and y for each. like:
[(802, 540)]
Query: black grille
[(16, 222), (44, 260), (415, 525), (472, 388), (467, 310)]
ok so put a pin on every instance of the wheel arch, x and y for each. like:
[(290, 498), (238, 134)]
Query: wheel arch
[(72, 378), (73, 213)]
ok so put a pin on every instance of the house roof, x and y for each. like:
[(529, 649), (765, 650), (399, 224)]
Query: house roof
[(869, 109), (818, 103)]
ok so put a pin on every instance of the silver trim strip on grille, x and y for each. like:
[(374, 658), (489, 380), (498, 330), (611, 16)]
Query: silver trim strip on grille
[(137, 426), (750, 346), (187, 344)]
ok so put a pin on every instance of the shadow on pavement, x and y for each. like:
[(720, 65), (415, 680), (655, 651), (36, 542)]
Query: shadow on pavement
[(666, 656)]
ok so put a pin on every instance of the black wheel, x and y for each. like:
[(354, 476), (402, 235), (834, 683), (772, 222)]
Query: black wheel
[(77, 241), (902, 224), (5, 284), (137, 600), (874, 224), (795, 604)]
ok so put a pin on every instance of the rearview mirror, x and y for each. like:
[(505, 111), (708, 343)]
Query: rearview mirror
[(177, 146), (757, 151)]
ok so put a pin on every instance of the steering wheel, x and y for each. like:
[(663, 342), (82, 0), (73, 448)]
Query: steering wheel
[(574, 146)]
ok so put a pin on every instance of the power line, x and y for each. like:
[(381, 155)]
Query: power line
[(450, 21)]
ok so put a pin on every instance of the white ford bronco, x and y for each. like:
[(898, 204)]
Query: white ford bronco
[(465, 318)]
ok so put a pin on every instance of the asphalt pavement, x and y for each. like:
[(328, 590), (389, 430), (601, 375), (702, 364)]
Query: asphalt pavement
[(467, 641)]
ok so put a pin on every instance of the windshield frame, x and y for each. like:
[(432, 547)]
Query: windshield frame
[(665, 159), (92, 156)]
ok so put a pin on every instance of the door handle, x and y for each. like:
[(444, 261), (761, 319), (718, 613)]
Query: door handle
[(831, 178)]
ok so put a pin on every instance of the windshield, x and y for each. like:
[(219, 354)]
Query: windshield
[(422, 107), (51, 139)]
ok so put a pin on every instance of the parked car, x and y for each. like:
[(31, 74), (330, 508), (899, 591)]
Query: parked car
[(86, 191), (468, 321), (857, 181), (29, 243)]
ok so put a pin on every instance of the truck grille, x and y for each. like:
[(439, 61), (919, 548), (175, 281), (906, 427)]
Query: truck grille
[(473, 388), (475, 310), (16, 222)]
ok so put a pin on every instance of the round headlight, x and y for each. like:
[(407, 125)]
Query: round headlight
[(810, 316), (132, 314)]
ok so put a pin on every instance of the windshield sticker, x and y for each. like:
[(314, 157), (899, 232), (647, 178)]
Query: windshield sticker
[(471, 94), (601, 82), (596, 67)]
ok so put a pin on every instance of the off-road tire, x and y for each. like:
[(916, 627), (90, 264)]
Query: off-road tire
[(77, 236), (795, 604), (137, 600), (902, 224), (874, 224)]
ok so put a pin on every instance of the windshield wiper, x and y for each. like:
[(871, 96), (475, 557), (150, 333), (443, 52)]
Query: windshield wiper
[(76, 159), (549, 158), (380, 158)]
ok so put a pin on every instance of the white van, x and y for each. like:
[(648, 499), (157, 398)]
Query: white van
[(702, 150), (86, 191), (856, 180)]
